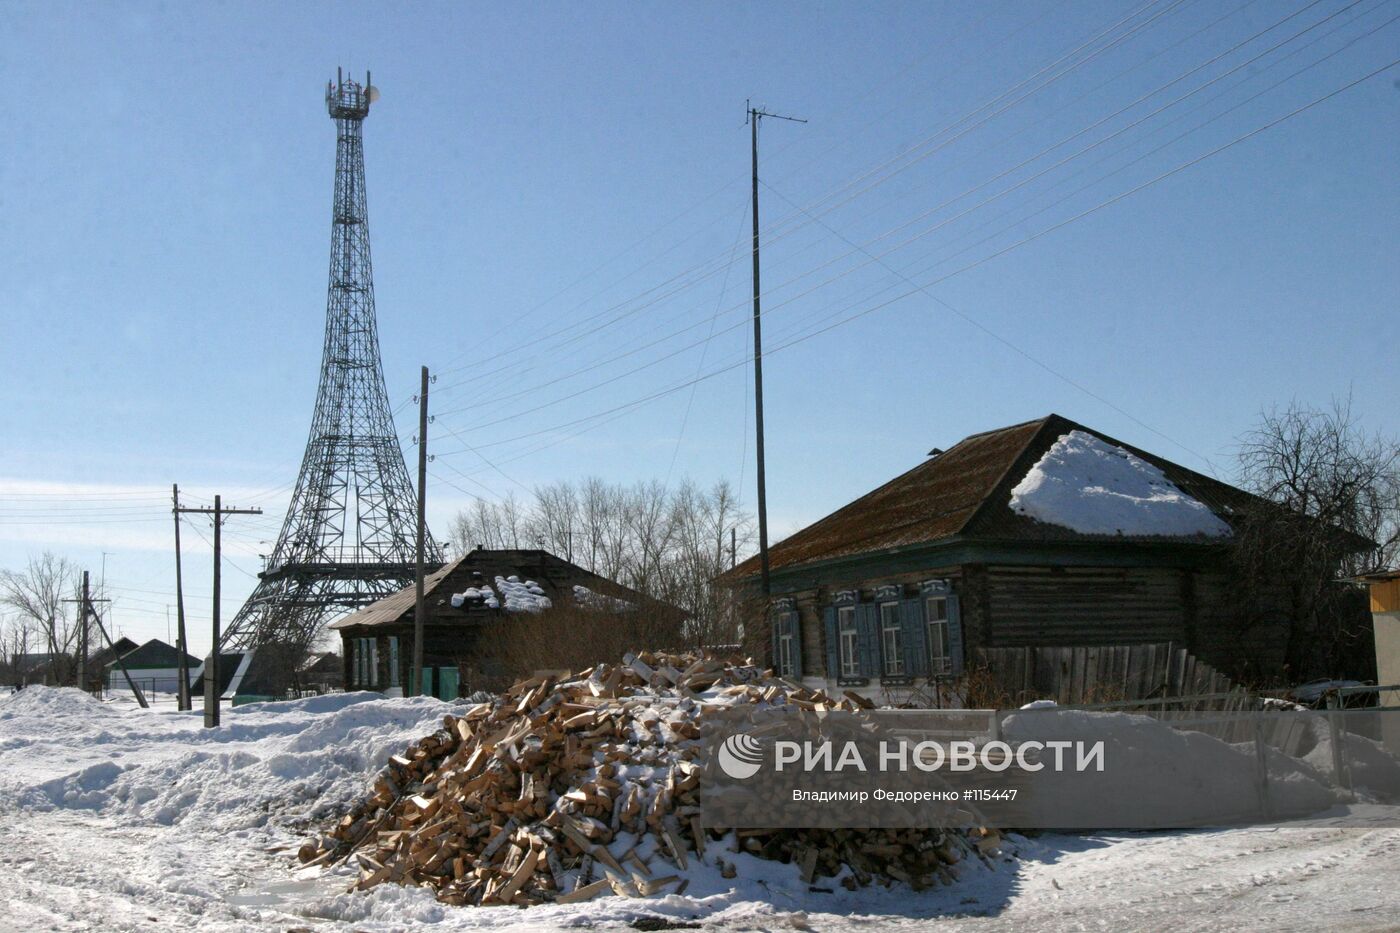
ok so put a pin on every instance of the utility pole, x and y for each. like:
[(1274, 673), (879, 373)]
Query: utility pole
[(753, 115), (121, 665), (83, 634), (416, 687), (183, 688), (211, 666), (85, 610)]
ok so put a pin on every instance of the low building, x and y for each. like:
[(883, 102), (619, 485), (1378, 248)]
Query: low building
[(153, 667), (461, 600), (322, 671), (1046, 533)]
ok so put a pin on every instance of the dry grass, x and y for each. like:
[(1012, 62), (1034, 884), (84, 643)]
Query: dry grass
[(569, 638)]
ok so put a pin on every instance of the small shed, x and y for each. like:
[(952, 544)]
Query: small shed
[(482, 586)]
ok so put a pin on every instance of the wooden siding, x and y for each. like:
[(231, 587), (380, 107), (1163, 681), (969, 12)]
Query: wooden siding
[(1223, 638), (1083, 606), (1099, 674), (1064, 606)]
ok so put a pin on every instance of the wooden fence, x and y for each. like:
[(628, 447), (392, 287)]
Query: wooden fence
[(1099, 674)]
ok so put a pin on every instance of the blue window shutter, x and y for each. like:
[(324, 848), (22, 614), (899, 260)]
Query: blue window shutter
[(774, 625), (955, 638), (914, 635), (868, 635), (833, 643), (794, 621)]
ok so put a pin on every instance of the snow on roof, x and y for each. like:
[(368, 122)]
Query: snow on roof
[(476, 594), (1093, 487), (588, 599), (522, 596)]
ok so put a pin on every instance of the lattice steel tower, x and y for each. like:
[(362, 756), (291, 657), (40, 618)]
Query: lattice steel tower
[(350, 531)]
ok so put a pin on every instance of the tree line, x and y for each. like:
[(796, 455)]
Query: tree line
[(666, 542)]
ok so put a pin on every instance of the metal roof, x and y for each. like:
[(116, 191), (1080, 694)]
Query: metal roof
[(966, 492)]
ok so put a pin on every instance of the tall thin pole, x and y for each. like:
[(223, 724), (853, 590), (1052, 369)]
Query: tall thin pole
[(211, 667), (418, 612), (754, 115), (83, 634), (758, 370), (183, 688)]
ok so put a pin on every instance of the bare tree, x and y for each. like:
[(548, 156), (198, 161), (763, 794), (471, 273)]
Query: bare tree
[(14, 642), (1334, 512), (666, 543), (554, 517), (36, 597)]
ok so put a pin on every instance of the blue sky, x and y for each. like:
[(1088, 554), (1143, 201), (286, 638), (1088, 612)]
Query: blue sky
[(535, 173)]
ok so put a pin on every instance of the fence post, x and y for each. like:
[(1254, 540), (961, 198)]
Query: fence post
[(1261, 763), (1338, 735)]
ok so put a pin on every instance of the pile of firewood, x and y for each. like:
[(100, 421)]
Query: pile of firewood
[(561, 791)]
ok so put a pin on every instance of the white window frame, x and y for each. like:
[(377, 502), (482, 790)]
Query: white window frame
[(939, 662), (786, 623), (848, 641), (891, 640)]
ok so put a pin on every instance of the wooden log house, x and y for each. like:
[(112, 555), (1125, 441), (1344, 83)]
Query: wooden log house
[(480, 587), (921, 577)]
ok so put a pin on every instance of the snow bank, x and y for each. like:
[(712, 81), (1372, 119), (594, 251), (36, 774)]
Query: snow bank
[(1089, 486), (1159, 770), (293, 760), (526, 596)]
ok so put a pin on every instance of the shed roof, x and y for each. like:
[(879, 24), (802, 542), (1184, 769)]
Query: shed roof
[(966, 493), (555, 575), (153, 654)]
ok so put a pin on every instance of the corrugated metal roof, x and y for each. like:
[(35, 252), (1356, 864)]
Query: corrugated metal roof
[(391, 608), (967, 492)]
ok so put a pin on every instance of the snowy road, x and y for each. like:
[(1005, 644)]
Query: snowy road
[(115, 819)]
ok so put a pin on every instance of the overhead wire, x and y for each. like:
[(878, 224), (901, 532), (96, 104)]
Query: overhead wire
[(1024, 241), (773, 307)]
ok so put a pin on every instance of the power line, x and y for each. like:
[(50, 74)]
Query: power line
[(1024, 241), (656, 361)]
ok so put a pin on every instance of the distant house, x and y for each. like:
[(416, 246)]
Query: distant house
[(40, 668), (1046, 533), (121, 646), (323, 669), (153, 667), (62, 668), (461, 598), (233, 671)]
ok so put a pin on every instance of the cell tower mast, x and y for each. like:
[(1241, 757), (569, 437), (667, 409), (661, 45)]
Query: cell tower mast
[(350, 532)]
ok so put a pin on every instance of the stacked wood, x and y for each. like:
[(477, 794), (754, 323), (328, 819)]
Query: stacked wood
[(562, 789)]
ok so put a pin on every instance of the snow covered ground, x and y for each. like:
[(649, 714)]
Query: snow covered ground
[(115, 818)]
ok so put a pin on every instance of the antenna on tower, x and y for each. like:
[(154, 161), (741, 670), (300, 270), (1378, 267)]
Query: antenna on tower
[(349, 535)]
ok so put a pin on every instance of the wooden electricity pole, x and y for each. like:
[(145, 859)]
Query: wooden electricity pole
[(183, 695), (416, 687), (752, 118), (88, 611), (83, 634), (211, 666)]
